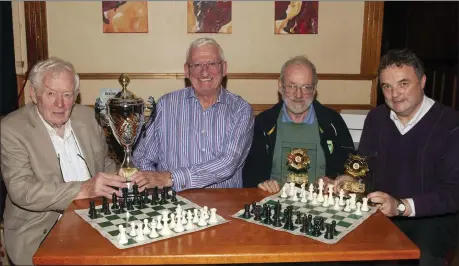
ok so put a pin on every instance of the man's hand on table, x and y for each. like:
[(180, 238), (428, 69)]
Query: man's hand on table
[(269, 185), (149, 179)]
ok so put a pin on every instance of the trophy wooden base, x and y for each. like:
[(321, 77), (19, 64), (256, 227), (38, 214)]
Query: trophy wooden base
[(354, 187)]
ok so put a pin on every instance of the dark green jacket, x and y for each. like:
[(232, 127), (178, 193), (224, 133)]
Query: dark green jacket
[(259, 162)]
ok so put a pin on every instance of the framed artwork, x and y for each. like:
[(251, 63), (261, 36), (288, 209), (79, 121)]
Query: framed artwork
[(125, 16), (209, 17), (296, 17)]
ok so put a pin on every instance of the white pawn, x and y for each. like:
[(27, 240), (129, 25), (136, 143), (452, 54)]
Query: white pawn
[(153, 223), (179, 227), (196, 216), (341, 198), (153, 233), (320, 196), (311, 191), (146, 230), (292, 189), (303, 189), (325, 203), (314, 199), (365, 205), (189, 226), (303, 196), (122, 238), (353, 201), (213, 216), (294, 197), (132, 233), (336, 206), (202, 220), (139, 236), (159, 225), (358, 211), (284, 192), (348, 206), (172, 224), (206, 212)]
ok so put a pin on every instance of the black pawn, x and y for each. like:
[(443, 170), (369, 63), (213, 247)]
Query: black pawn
[(135, 189), (268, 219), (298, 217), (107, 209), (145, 197), (163, 196), (114, 201), (174, 196), (129, 205), (247, 214), (121, 203), (141, 204)]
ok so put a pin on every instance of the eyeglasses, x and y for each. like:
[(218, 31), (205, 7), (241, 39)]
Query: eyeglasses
[(200, 66), (305, 89)]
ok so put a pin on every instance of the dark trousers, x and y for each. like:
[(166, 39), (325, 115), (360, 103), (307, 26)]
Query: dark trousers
[(434, 236)]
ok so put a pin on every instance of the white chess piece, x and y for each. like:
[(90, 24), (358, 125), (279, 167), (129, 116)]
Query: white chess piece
[(325, 203), (284, 192), (165, 231), (139, 236), (341, 198), (331, 200), (153, 223), (159, 225), (202, 219), (179, 227), (172, 224), (294, 197), (336, 206), (153, 233), (292, 189), (365, 205), (314, 199), (146, 229), (358, 211), (213, 216), (320, 196), (330, 188), (353, 201), (122, 238), (184, 217), (189, 226), (133, 232), (303, 189), (206, 212), (303, 197), (196, 216), (178, 209), (348, 206), (321, 184), (311, 191)]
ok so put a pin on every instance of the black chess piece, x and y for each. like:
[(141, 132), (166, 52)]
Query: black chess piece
[(135, 201), (114, 201), (92, 210), (328, 232), (155, 194), (257, 213), (333, 227), (316, 231), (254, 205), (104, 203), (129, 205), (322, 223), (121, 204), (125, 192), (268, 219), (146, 200), (284, 217), (298, 217), (141, 204), (167, 192), (163, 196), (107, 209), (265, 209), (174, 196), (247, 214), (135, 190), (304, 225)]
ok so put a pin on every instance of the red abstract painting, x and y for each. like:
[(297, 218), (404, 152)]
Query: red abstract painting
[(296, 17), (209, 17)]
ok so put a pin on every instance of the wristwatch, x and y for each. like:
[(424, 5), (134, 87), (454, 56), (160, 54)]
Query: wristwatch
[(401, 207)]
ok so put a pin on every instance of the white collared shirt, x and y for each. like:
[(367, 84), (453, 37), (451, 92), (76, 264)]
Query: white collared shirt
[(427, 103), (68, 152)]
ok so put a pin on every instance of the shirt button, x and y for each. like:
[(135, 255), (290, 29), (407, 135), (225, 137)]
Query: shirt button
[(203, 149), (203, 131), (45, 231)]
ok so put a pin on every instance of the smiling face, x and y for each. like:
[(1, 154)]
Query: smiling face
[(205, 69), (402, 89), (56, 97), (297, 100)]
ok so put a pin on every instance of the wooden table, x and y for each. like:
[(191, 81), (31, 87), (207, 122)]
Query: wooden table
[(73, 241)]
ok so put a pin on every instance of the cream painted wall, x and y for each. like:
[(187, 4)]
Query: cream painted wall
[(75, 34)]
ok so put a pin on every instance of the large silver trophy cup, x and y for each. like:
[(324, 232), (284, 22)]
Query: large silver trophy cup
[(124, 114)]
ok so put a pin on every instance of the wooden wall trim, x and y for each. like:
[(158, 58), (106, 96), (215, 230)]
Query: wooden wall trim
[(20, 81), (268, 76), (36, 31), (372, 35)]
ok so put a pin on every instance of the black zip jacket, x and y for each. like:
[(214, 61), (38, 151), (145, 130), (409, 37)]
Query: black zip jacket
[(259, 162)]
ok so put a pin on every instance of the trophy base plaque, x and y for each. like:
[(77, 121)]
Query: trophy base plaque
[(298, 179)]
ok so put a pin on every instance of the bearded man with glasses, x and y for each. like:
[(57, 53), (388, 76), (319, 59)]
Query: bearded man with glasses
[(298, 121), (201, 134)]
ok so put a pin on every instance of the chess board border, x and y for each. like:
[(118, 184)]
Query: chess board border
[(83, 213), (277, 196)]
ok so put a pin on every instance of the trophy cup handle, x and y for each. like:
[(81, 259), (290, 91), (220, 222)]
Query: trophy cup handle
[(152, 107), (100, 116)]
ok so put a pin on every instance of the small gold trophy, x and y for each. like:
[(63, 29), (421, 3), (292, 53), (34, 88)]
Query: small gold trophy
[(356, 166), (298, 163)]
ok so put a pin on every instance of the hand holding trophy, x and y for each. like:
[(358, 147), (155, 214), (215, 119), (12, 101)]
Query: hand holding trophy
[(124, 114)]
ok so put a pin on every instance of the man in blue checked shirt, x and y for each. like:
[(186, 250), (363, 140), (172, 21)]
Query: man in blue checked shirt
[(202, 134)]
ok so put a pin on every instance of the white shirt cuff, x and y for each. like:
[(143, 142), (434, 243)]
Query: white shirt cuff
[(411, 202)]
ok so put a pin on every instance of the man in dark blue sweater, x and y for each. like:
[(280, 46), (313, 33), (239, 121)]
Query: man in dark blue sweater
[(412, 143)]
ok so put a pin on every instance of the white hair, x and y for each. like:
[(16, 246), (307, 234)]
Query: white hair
[(299, 60), (204, 41), (54, 65)]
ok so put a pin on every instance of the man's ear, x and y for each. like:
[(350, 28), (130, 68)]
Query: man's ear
[(33, 94), (423, 81), (186, 69), (280, 86)]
